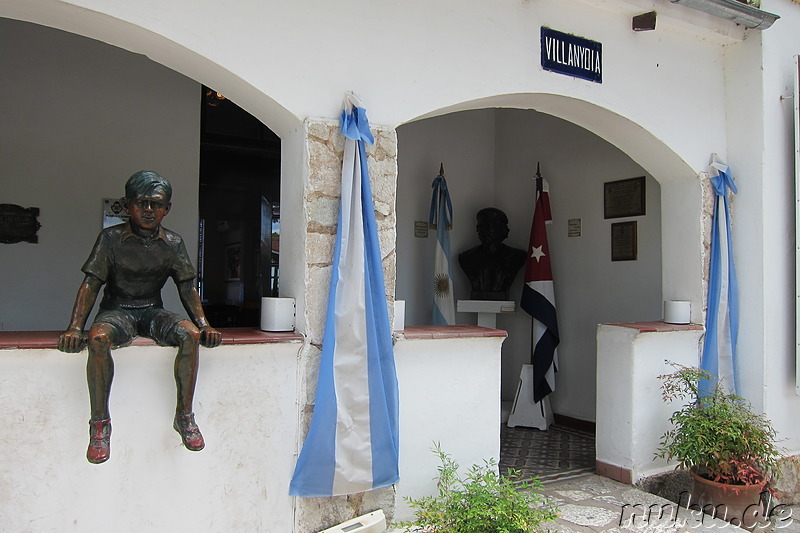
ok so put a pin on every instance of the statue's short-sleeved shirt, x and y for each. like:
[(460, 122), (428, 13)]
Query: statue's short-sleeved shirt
[(135, 270)]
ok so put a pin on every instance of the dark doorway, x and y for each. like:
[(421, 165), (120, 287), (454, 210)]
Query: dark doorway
[(239, 212)]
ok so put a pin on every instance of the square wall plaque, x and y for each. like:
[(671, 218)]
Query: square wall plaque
[(624, 198), (623, 241)]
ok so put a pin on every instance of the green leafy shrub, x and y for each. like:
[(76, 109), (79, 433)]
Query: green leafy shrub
[(481, 502), (716, 433)]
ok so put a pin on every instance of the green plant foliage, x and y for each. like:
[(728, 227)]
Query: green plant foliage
[(481, 502), (716, 433)]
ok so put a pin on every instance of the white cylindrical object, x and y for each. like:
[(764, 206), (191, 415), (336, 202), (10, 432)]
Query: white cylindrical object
[(399, 315), (277, 314), (677, 312)]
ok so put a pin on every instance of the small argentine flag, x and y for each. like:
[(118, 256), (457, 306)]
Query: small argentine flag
[(441, 217), (722, 314), (352, 444)]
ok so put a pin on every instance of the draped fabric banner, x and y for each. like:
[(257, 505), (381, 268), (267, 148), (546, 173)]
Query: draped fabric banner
[(441, 216), (352, 444), (538, 298), (722, 315)]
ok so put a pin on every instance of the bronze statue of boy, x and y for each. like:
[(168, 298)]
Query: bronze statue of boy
[(133, 260)]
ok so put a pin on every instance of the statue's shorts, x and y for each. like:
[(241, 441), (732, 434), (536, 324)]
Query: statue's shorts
[(152, 322)]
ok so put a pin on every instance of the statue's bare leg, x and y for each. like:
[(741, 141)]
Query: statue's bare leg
[(99, 375), (186, 364)]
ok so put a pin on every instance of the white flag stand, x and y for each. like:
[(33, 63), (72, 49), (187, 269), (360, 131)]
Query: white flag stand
[(525, 411)]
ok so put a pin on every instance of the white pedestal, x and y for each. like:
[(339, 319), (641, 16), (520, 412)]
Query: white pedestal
[(525, 411), (487, 310)]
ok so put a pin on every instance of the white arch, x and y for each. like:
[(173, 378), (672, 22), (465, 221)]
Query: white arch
[(137, 39), (683, 222), (640, 145)]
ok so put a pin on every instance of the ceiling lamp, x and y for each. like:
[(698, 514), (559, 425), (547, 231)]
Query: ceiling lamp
[(213, 98)]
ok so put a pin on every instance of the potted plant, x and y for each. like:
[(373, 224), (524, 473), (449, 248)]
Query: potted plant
[(729, 450), (481, 502)]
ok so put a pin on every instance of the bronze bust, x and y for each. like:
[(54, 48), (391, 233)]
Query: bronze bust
[(492, 266), (133, 261)]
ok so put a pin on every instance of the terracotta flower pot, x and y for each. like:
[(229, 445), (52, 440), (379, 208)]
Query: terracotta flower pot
[(739, 504)]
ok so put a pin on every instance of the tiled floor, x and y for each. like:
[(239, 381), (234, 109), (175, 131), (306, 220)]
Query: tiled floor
[(564, 459), (557, 453)]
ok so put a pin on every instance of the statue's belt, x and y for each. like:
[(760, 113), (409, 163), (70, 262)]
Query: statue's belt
[(135, 304)]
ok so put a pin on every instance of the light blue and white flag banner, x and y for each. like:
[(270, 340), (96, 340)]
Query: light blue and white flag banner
[(722, 315), (352, 444), (441, 217)]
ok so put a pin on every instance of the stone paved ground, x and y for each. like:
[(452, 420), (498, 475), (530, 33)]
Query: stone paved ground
[(592, 503)]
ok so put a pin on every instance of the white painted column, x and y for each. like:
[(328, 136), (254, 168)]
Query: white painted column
[(631, 416)]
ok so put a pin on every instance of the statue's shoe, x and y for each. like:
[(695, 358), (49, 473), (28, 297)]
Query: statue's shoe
[(99, 441), (190, 434)]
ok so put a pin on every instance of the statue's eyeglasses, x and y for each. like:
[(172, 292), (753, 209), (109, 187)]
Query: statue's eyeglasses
[(149, 204)]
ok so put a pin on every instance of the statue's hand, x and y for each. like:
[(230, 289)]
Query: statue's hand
[(209, 337), (72, 341)]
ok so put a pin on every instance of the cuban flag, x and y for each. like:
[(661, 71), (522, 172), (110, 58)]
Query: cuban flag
[(441, 217), (722, 315), (352, 443), (538, 298)]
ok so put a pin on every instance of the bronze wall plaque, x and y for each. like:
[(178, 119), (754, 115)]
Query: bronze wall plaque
[(624, 198), (18, 224), (624, 241)]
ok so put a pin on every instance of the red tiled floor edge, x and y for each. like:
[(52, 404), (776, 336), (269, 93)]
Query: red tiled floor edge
[(449, 332), (657, 327), (617, 473), (10, 340)]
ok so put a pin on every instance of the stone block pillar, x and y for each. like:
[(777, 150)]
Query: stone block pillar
[(324, 147)]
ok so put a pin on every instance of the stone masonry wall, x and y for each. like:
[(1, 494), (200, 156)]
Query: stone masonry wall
[(325, 148)]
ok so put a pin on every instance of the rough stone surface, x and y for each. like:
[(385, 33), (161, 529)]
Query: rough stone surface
[(787, 486), (669, 485), (591, 503), (317, 514), (709, 199), (318, 280), (325, 148), (586, 515), (321, 200), (320, 248), (323, 212)]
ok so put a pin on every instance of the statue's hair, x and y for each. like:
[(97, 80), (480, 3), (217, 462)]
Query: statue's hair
[(146, 183), (487, 212)]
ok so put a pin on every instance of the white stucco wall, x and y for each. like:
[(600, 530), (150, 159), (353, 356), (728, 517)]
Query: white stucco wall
[(427, 56), (509, 74), (464, 143), (774, 346), (82, 117), (490, 157), (669, 99), (631, 414), (435, 377), (247, 404), (246, 408)]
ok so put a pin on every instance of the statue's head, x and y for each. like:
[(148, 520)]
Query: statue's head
[(492, 225), (147, 183)]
